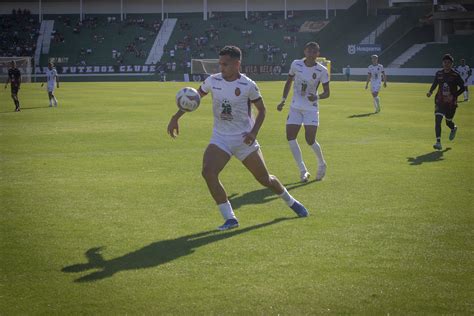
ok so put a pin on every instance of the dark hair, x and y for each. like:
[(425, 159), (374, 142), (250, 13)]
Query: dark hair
[(448, 57), (311, 44), (231, 51)]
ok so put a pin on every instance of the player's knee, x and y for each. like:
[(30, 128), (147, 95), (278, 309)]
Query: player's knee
[(310, 140), (208, 173), (265, 180)]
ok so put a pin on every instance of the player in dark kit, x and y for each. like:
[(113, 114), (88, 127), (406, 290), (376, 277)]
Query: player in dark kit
[(14, 77), (447, 80)]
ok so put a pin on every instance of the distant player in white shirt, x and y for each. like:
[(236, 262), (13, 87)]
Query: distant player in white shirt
[(375, 76), (465, 72), (234, 133), (52, 82), (304, 110)]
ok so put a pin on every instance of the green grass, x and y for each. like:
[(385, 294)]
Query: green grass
[(391, 229)]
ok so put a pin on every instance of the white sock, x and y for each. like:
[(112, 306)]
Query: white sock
[(55, 101), (466, 95), (50, 102), (377, 100), (289, 200), (319, 153), (226, 210), (296, 151)]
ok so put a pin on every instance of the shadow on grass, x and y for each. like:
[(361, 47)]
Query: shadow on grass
[(361, 115), (23, 108), (261, 196), (429, 157), (153, 255)]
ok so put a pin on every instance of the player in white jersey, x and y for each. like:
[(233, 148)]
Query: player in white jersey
[(304, 110), (234, 133), (465, 72), (52, 81), (375, 76)]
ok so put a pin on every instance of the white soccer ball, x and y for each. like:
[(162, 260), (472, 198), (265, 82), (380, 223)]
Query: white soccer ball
[(188, 99)]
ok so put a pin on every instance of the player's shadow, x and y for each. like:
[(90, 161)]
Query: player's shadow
[(361, 115), (429, 157), (261, 196), (153, 255)]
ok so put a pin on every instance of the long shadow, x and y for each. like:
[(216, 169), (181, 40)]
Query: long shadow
[(429, 157), (361, 115), (24, 108), (153, 255), (261, 196)]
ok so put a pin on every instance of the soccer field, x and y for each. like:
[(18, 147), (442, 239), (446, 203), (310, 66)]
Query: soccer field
[(103, 213)]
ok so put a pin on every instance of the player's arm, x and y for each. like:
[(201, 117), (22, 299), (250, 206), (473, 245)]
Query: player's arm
[(7, 82), (286, 90), (326, 91), (433, 86), (369, 76), (384, 79), (250, 137), (460, 84), (57, 80), (173, 125)]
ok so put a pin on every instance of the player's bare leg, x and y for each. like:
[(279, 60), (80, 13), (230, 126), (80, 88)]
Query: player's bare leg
[(438, 120), (256, 165), (310, 135), (292, 131), (50, 96), (214, 161)]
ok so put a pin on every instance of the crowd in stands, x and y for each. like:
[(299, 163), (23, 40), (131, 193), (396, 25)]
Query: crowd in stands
[(18, 33), (97, 25)]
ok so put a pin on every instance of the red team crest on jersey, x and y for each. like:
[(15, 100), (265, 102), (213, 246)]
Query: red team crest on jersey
[(237, 91)]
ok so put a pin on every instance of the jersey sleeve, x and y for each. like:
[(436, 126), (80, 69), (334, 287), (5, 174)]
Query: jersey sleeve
[(292, 70), (254, 92), (382, 69), (206, 85), (324, 76)]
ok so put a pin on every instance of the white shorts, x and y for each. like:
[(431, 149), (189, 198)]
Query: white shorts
[(50, 87), (305, 117), (234, 145), (375, 87)]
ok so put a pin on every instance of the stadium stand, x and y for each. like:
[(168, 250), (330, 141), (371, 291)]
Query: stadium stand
[(18, 33), (103, 39)]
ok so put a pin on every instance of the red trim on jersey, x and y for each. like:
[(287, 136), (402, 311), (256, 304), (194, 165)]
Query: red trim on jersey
[(202, 92)]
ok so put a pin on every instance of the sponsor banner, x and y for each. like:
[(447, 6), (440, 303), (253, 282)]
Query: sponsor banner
[(117, 69), (363, 49), (261, 69)]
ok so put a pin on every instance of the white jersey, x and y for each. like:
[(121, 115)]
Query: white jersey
[(307, 80), (51, 76), (231, 103), (463, 71), (376, 74)]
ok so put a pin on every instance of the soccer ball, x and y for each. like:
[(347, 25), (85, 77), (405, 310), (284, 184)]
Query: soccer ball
[(188, 99)]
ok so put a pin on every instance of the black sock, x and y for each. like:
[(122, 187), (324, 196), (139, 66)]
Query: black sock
[(450, 124), (438, 119)]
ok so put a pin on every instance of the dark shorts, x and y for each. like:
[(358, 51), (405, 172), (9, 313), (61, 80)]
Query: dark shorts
[(15, 89), (445, 110)]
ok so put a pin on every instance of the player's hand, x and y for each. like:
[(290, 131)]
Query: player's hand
[(428, 94), (249, 138), (42, 84), (173, 127), (312, 97), (366, 86), (280, 106), (5, 86), (57, 85), (385, 85)]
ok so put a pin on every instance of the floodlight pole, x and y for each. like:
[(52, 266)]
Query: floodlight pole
[(80, 10), (40, 12), (121, 10), (204, 11), (162, 10), (327, 9), (246, 10), (286, 12)]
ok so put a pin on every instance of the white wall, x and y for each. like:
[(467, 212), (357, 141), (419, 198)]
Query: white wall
[(154, 6)]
